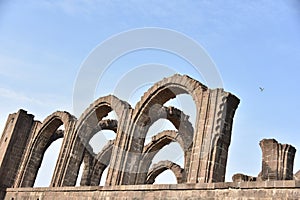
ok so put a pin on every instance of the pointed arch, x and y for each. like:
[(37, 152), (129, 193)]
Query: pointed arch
[(161, 166), (158, 142), (87, 125), (184, 136), (43, 136), (164, 90), (164, 138), (151, 102), (88, 121), (150, 107), (167, 89), (215, 110)]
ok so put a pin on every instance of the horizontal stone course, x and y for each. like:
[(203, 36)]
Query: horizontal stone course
[(228, 190), (197, 186)]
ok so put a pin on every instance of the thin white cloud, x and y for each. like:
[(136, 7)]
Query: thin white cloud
[(12, 95)]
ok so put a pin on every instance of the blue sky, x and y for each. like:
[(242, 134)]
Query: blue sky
[(253, 44)]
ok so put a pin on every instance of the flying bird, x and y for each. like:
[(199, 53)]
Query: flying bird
[(261, 89)]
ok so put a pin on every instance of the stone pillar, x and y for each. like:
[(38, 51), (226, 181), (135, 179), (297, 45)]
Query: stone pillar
[(115, 171), (13, 144), (213, 137), (277, 160)]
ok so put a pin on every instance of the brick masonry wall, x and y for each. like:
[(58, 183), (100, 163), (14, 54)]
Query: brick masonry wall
[(12, 145), (233, 190)]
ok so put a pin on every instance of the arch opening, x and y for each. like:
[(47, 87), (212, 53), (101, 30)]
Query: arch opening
[(172, 152), (182, 132), (46, 170), (93, 120), (166, 177), (165, 145), (98, 147), (45, 134), (100, 139), (79, 177), (95, 165), (151, 104), (160, 167), (104, 176), (158, 126), (186, 104)]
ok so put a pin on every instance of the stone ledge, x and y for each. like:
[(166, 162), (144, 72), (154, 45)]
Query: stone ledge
[(199, 186), (212, 191)]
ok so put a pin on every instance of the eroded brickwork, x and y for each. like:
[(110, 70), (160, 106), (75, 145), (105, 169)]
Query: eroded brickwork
[(277, 161)]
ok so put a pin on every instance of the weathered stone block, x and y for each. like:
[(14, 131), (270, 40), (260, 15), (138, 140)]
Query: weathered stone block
[(277, 160)]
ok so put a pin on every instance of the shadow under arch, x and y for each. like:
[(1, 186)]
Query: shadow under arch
[(43, 136), (161, 166)]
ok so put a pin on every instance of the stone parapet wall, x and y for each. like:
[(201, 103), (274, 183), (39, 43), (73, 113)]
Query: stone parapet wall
[(227, 190)]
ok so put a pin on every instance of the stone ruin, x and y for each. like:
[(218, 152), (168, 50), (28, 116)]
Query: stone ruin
[(129, 160)]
